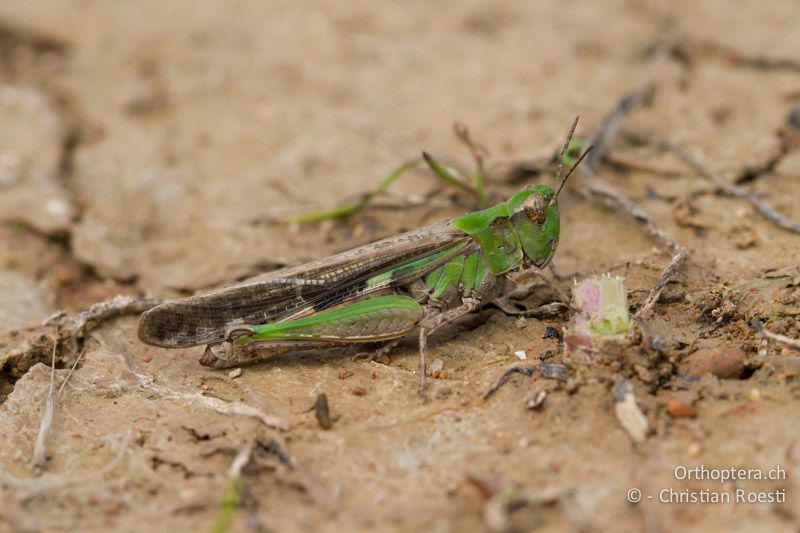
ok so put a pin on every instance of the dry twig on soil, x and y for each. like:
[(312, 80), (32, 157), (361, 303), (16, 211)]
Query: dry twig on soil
[(603, 190), (555, 371), (215, 404), (71, 331), (40, 446), (763, 207), (79, 325), (31, 487), (777, 337)]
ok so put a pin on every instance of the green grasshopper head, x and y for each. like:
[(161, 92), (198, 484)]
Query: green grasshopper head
[(534, 213), (520, 231), (537, 224)]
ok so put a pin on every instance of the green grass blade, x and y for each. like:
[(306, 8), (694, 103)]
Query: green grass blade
[(479, 182), (478, 154), (442, 173), (349, 209), (228, 506)]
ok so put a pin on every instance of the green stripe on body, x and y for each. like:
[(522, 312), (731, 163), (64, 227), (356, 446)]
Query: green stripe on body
[(450, 276), (422, 263), (359, 320)]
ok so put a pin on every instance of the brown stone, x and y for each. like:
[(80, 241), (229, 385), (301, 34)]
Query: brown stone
[(725, 362), (677, 407)]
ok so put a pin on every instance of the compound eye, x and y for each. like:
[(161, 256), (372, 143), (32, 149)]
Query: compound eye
[(536, 209)]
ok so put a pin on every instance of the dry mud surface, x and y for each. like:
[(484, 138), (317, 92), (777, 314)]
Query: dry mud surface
[(147, 148)]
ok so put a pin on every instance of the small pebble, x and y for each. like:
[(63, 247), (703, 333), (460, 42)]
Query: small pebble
[(754, 395), (383, 359), (235, 373), (628, 413), (693, 450), (747, 241), (555, 371), (678, 408), (436, 369), (552, 333), (359, 391), (536, 401), (726, 362), (522, 322), (322, 412), (521, 355), (762, 351)]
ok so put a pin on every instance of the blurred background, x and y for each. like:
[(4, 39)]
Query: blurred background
[(153, 134), (150, 148)]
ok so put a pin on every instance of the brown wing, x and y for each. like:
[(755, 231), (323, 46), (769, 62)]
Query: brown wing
[(202, 319)]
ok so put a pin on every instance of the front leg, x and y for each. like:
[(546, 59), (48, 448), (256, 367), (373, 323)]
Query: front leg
[(522, 278), (430, 324)]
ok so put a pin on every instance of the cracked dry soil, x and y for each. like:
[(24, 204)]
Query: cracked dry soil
[(147, 149)]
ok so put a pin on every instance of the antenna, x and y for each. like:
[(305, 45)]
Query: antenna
[(564, 148), (572, 169), (564, 151)]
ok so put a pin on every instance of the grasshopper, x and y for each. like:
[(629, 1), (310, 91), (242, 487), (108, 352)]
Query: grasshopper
[(379, 292)]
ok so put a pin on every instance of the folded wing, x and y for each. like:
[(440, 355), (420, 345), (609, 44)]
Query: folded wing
[(301, 290)]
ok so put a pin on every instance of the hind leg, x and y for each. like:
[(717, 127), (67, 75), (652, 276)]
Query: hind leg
[(226, 354), (384, 318), (433, 322)]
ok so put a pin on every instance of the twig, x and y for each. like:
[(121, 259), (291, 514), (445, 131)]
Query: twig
[(777, 337), (555, 371), (364, 201), (119, 305), (215, 404), (612, 124), (524, 370), (40, 446), (479, 153), (635, 163), (70, 332), (735, 57), (600, 188), (241, 460), (30, 487), (763, 207)]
